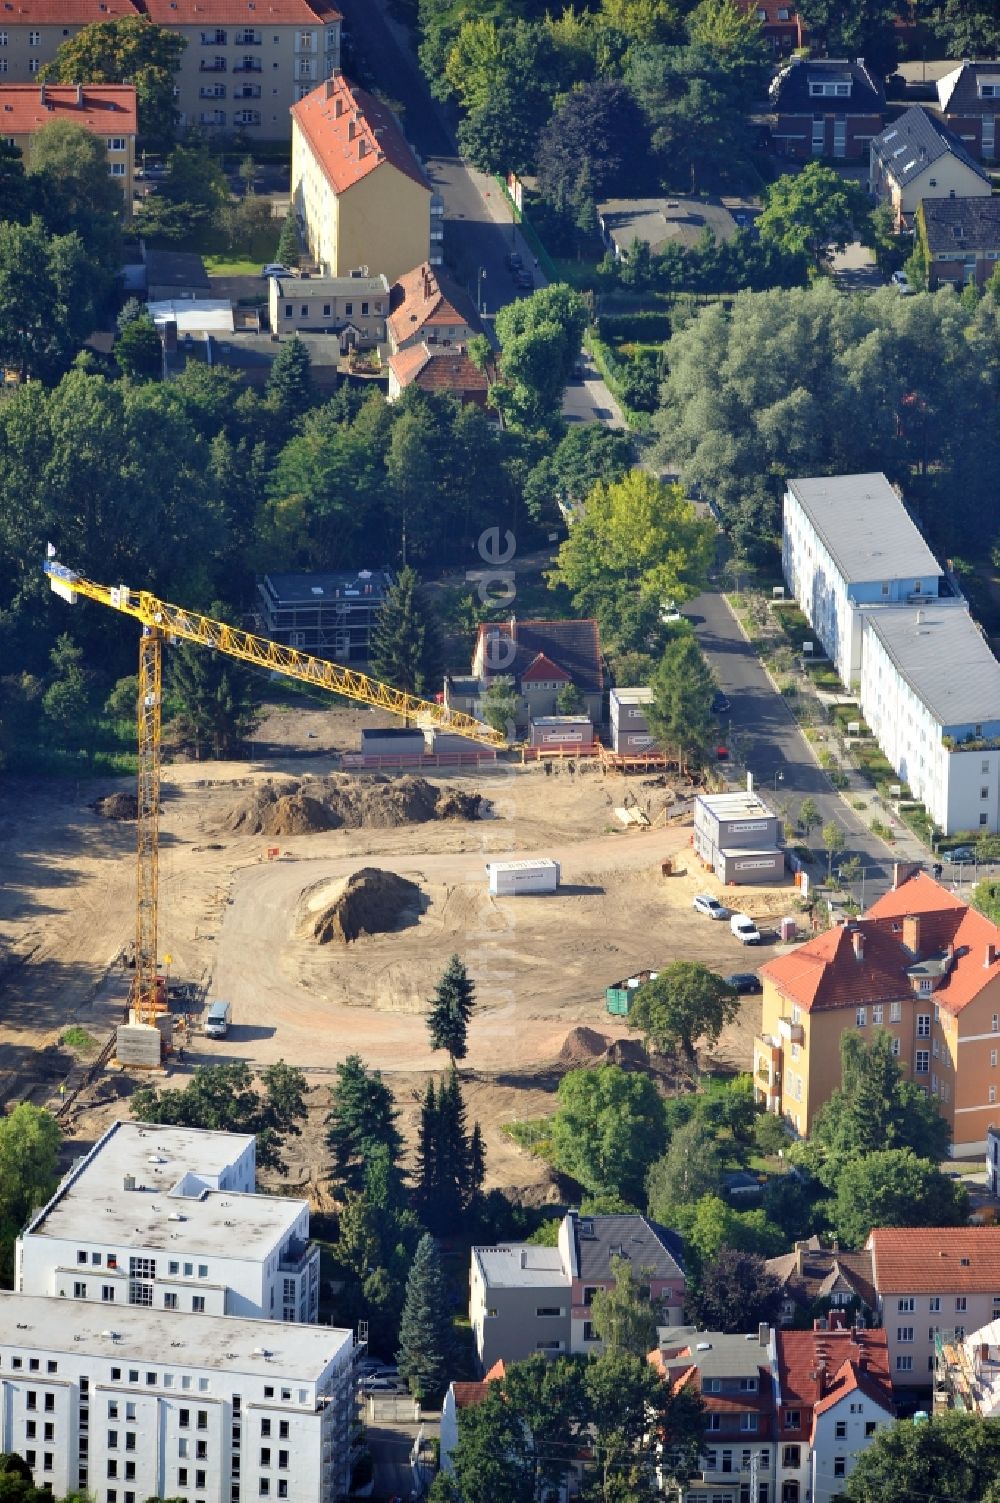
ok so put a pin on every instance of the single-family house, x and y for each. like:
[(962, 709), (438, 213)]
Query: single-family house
[(526, 1299), (462, 1396), (426, 307), (660, 222), (826, 107), (543, 658), (433, 368), (815, 1280), (107, 111), (969, 97), (930, 1282), (362, 200), (961, 240), (918, 158), (353, 308), (780, 22), (922, 966)]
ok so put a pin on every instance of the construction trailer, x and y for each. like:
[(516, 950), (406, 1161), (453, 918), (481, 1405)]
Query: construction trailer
[(620, 995), (739, 837), (627, 710), (511, 879), (561, 733)]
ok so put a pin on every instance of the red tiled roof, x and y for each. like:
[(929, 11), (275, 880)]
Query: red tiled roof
[(236, 12), (544, 669), (365, 134), (70, 12), (424, 299), (812, 1366), (850, 1379), (105, 109), (771, 8), (434, 369), (928, 1260), (918, 894), (825, 972), (467, 1394)]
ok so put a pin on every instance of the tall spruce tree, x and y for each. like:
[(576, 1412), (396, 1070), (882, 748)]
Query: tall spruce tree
[(406, 643), (451, 1162), (216, 701), (362, 1119), (289, 384), (425, 1332), (289, 244), (451, 1009)]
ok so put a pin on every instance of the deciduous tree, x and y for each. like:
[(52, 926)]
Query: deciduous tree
[(813, 211), (690, 1169), (894, 1188), (47, 288), (227, 1098), (956, 1456), (609, 1128), (138, 351), (622, 1313), (736, 1293), (539, 339), (29, 1159), (131, 50), (686, 1002)]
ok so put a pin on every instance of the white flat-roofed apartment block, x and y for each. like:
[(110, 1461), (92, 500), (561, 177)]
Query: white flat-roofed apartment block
[(927, 674), (135, 1403), (849, 544), (167, 1218)]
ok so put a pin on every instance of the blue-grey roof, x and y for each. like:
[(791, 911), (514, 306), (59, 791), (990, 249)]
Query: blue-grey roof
[(646, 1244), (865, 528), (944, 657), (911, 144), (315, 589), (790, 94), (959, 226)]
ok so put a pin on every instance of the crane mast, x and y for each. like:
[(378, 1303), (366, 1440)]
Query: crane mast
[(163, 622)]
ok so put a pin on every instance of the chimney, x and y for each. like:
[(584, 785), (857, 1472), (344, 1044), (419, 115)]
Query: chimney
[(858, 941), (902, 871), (800, 1258), (79, 96), (989, 957), (170, 336), (41, 96), (763, 1334), (911, 934)]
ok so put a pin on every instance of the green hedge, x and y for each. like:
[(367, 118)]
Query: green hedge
[(646, 327)]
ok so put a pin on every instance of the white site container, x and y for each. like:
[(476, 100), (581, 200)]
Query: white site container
[(511, 878)]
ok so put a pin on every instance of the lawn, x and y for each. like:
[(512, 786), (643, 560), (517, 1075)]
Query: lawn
[(218, 265)]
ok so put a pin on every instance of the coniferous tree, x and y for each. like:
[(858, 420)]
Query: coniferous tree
[(425, 1332), (451, 1162), (427, 1152), (451, 1009), (289, 245), (289, 384), (217, 703), (362, 1118), (406, 642)]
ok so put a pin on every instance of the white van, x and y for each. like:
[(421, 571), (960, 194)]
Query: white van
[(745, 929), (220, 1015)]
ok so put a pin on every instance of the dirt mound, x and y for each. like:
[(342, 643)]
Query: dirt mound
[(628, 1053), (342, 801), (371, 901), (582, 1046), (117, 806)]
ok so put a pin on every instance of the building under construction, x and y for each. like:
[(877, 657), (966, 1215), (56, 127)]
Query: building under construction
[(328, 615)]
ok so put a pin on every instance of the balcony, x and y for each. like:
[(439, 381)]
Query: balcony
[(791, 1033), (247, 39), (295, 1256), (249, 65), (217, 65)]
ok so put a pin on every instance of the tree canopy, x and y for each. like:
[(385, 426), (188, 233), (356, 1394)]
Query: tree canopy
[(362, 1117), (29, 1158), (956, 1457), (406, 641), (130, 50), (227, 1098), (736, 1293), (680, 717), (539, 339), (609, 1128), (893, 1188), (686, 1002), (450, 1010), (813, 211), (875, 1107)]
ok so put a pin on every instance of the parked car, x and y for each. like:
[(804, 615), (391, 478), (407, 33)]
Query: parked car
[(513, 261), (524, 280), (669, 612), (381, 1385), (274, 269), (744, 982), (709, 906), (963, 855), (744, 929), (720, 704), (900, 282)]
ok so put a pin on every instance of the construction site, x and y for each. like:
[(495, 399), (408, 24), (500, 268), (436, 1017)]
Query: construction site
[(322, 905)]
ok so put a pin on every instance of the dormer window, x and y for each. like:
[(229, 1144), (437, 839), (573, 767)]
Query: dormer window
[(989, 88), (821, 88)]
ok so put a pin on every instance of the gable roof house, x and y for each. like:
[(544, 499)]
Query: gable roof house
[(362, 199), (783, 27), (814, 1278), (921, 964), (961, 240), (450, 372), (969, 98), (917, 157), (426, 307), (826, 108), (542, 657)]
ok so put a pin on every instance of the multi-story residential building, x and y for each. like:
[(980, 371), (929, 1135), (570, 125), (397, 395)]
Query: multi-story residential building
[(780, 22), (361, 197), (921, 965), (738, 837), (331, 615), (915, 158), (969, 97), (168, 1218), (526, 1299), (826, 107), (428, 308), (787, 1412), (542, 657), (815, 1280), (961, 240), (107, 111), (930, 693), (354, 308), (967, 1371), (848, 544), (241, 71), (932, 1281), (140, 1403)]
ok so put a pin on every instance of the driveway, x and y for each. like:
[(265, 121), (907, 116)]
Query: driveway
[(855, 270)]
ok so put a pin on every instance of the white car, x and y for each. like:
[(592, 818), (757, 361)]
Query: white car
[(744, 929), (275, 269), (669, 612), (709, 906), (901, 283)]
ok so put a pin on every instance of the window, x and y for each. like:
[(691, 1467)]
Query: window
[(870, 1427), (895, 1012), (748, 1385), (265, 1455), (923, 1025), (117, 169), (115, 143), (116, 1374), (748, 1422), (995, 1025), (904, 1334), (326, 310), (992, 1095), (202, 1419), (283, 1460), (140, 1294), (203, 1270), (793, 1419), (81, 1256), (934, 1303), (906, 1305), (790, 1456), (841, 1430), (173, 1267), (961, 1303), (861, 1017), (142, 1268), (349, 309), (265, 1427), (112, 1440), (184, 1418), (170, 1301), (904, 1364), (130, 1440), (839, 1469), (713, 1422), (283, 1429), (305, 314), (896, 1046), (108, 1293), (34, 37), (198, 1304), (79, 1291), (112, 1468), (183, 1446), (188, 1270), (264, 1487), (923, 1061), (182, 1476), (877, 1014)]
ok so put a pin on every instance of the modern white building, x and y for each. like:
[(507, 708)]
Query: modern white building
[(140, 1403), (168, 1218), (930, 692), (849, 544)]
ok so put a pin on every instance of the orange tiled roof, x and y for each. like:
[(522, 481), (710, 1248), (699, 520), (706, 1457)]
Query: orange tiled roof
[(825, 972), (438, 369), (929, 1260), (918, 894), (467, 1394), (423, 299), (67, 12), (811, 1367), (544, 668), (351, 134), (105, 109), (850, 1379), (237, 12)]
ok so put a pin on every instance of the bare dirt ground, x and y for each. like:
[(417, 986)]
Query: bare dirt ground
[(232, 920)]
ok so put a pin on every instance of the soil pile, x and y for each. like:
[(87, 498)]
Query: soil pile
[(371, 901), (582, 1046), (342, 801), (117, 806)]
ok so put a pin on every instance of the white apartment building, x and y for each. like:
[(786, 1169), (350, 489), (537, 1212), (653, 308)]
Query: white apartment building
[(930, 692), (168, 1218), (150, 1404), (848, 544)]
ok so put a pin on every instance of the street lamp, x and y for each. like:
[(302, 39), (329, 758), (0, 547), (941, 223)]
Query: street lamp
[(481, 278), (779, 777)]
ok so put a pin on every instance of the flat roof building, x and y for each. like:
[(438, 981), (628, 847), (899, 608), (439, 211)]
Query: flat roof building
[(330, 614), (141, 1403), (739, 837)]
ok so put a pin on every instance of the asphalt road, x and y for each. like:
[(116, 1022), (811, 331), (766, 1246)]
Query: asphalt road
[(767, 741)]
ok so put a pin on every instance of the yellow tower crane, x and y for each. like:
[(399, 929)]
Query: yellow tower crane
[(162, 622)]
